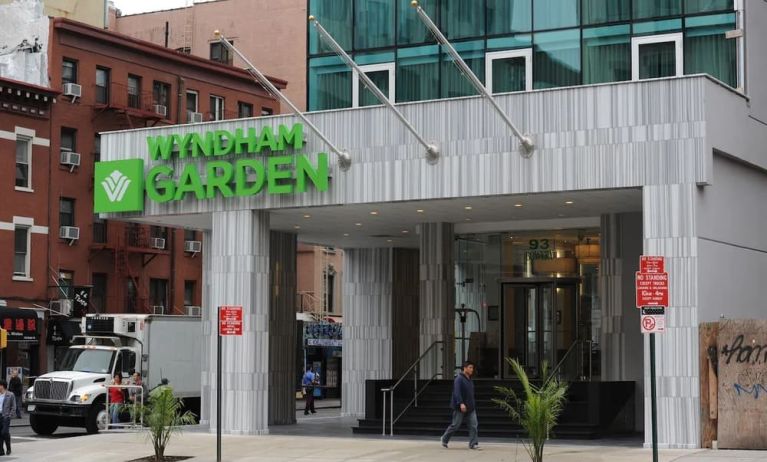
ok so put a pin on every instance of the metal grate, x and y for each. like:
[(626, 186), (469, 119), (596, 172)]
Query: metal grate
[(52, 389), (43, 389)]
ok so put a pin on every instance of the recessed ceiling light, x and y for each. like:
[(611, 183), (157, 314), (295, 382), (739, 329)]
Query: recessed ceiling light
[(568, 202), (468, 219), (517, 205), (374, 212), (404, 231), (468, 207), (419, 210), (307, 216), (346, 234), (388, 240), (357, 224), (296, 227)]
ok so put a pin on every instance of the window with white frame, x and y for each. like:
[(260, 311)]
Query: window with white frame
[(382, 76), (657, 56), (509, 70), (217, 107), (192, 103), (23, 162), (21, 251)]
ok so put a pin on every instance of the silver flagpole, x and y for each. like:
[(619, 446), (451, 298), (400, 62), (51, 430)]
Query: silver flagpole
[(344, 160), (525, 141), (432, 151)]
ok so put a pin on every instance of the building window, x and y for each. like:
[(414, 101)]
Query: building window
[(161, 95), (410, 29), (697, 6), (453, 82), (382, 76), (189, 287), (190, 235), (66, 212), (220, 53), (657, 8), (65, 284), (21, 251), (184, 50), (336, 18), (192, 104), (607, 54), (99, 230), (505, 17), (99, 292), (656, 56), (158, 292), (217, 107), (160, 232), (97, 148), (557, 59), (23, 162), (461, 19), (707, 50), (68, 71), (603, 11), (267, 111), (330, 83), (102, 85), (244, 110), (556, 14), (509, 70), (134, 91), (68, 139), (373, 23), (418, 73)]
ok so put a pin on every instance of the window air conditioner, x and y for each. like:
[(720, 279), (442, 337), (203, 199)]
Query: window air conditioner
[(193, 310), (193, 117), (193, 246), (72, 89), (157, 243), (63, 306), (160, 109), (70, 159), (71, 233), (158, 309)]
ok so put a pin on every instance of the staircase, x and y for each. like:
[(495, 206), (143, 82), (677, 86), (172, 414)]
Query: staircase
[(593, 410)]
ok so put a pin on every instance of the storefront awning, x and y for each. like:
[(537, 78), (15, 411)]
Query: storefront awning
[(61, 331), (21, 324)]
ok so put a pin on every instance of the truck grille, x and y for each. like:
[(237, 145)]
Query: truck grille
[(57, 390)]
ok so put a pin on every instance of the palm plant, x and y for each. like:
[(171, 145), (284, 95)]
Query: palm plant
[(163, 417), (537, 410)]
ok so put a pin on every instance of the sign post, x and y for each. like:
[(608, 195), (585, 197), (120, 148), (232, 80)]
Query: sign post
[(229, 323), (652, 299)]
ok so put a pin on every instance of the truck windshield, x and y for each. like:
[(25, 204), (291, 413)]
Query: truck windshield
[(87, 360)]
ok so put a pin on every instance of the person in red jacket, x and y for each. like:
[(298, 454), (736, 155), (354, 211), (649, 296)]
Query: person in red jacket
[(116, 398)]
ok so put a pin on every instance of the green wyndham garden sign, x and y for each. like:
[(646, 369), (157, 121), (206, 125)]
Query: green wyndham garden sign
[(229, 168)]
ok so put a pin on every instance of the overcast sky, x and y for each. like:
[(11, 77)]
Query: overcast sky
[(142, 6)]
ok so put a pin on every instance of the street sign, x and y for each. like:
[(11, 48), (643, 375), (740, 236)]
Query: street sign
[(653, 320), (652, 264), (230, 320), (651, 289)]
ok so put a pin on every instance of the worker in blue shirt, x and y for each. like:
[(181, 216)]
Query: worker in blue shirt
[(462, 403), (308, 383)]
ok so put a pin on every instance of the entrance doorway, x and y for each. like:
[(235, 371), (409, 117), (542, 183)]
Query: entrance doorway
[(540, 325)]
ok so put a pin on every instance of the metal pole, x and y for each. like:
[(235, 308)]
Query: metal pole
[(344, 160), (415, 386), (391, 414), (383, 416), (432, 151), (653, 400), (218, 388), (525, 141)]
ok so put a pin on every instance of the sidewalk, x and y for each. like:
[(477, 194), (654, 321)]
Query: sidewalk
[(22, 422), (120, 447)]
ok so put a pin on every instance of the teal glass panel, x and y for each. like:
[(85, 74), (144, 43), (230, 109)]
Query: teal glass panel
[(373, 23), (555, 14), (657, 27), (454, 83), (381, 80), (508, 75), (557, 59), (330, 84), (607, 54), (707, 51), (508, 43), (656, 8), (417, 73), (410, 28), (336, 17), (602, 11), (462, 18), (508, 16), (364, 59), (657, 60), (704, 6)]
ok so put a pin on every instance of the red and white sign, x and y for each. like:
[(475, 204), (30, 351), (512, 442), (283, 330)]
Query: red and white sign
[(652, 289), (652, 264), (653, 323), (230, 320)]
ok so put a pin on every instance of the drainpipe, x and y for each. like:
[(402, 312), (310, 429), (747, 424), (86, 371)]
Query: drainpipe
[(167, 31), (181, 84)]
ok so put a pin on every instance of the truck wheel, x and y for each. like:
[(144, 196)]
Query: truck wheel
[(43, 425), (96, 420)]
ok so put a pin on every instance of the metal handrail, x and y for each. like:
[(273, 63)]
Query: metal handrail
[(555, 370), (416, 393)]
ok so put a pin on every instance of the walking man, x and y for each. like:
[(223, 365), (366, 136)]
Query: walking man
[(7, 411), (308, 382), (14, 386), (463, 406)]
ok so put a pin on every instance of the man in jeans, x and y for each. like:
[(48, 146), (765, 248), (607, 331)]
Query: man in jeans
[(462, 404), (7, 411)]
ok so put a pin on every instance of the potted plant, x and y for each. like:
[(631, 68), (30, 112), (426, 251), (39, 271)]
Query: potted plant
[(536, 410)]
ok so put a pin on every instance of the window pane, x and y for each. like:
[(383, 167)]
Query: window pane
[(373, 23), (508, 43), (505, 16), (656, 8), (381, 80), (102, 85), (336, 17), (607, 54), (66, 212), (244, 110), (553, 14), (656, 27), (191, 101), (20, 251), (22, 163), (410, 28), (68, 139), (188, 293), (601, 11), (702, 6), (418, 73), (454, 84), (463, 19), (330, 84), (508, 74), (657, 60), (69, 71), (134, 91), (557, 59), (706, 50)]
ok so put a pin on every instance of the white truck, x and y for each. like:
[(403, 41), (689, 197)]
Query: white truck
[(161, 347)]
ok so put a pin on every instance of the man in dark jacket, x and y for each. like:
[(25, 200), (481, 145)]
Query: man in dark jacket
[(14, 386), (462, 404)]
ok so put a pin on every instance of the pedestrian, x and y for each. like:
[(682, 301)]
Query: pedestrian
[(135, 394), (463, 406), (116, 398), (7, 411), (14, 386), (308, 383)]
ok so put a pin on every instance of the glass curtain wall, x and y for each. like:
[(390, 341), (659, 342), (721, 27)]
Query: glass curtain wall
[(336, 17), (417, 73), (656, 8), (410, 29), (604, 11), (374, 23), (461, 18), (330, 81), (556, 14), (607, 54), (708, 51), (509, 16), (557, 59), (454, 84)]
